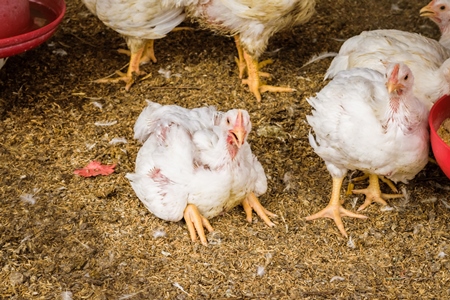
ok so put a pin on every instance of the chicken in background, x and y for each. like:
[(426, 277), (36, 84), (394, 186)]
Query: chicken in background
[(252, 23), (196, 164), (364, 120), (140, 22), (439, 12), (427, 58)]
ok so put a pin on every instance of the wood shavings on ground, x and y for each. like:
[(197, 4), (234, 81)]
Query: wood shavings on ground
[(94, 238)]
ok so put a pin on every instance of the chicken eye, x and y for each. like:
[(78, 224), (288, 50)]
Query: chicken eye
[(228, 121), (442, 7), (406, 77)]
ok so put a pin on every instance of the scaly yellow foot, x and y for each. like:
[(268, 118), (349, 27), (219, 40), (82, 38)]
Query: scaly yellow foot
[(133, 71), (195, 223), (253, 81), (242, 65), (373, 192), (148, 53), (252, 203), (334, 209)]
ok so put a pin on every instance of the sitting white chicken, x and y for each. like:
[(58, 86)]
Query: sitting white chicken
[(140, 22), (196, 164), (439, 12), (252, 23), (427, 59), (366, 121)]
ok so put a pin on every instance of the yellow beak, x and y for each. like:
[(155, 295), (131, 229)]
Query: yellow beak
[(238, 132)]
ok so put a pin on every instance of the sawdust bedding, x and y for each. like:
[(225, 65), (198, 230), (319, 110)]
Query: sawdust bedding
[(62, 235)]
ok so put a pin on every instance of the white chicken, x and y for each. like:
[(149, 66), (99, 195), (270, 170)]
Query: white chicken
[(366, 121), (196, 164), (140, 22), (252, 23), (439, 12), (427, 59)]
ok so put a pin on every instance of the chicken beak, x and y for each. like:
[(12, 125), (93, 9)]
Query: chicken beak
[(238, 132), (427, 11), (393, 85)]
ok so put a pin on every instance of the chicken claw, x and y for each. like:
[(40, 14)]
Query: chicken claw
[(252, 203), (195, 223), (374, 194), (240, 61), (133, 70), (334, 209), (253, 81)]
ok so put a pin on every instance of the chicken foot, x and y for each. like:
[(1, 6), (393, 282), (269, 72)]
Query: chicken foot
[(196, 224), (242, 65), (373, 192), (144, 54), (251, 203), (147, 55), (334, 209), (133, 69), (253, 81), (364, 177)]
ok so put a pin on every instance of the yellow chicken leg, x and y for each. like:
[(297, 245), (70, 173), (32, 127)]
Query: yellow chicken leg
[(148, 53), (240, 61), (252, 203), (373, 192), (195, 223), (242, 65), (133, 70), (253, 81), (334, 209)]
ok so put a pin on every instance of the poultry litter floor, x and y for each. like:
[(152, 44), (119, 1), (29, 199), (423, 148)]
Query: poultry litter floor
[(91, 237)]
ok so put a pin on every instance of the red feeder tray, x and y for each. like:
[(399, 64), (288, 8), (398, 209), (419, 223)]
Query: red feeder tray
[(438, 113), (45, 16)]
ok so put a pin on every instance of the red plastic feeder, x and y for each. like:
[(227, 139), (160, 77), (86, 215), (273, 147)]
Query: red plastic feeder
[(438, 113), (28, 23)]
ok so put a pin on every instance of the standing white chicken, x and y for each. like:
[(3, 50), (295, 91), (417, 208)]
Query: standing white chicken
[(439, 12), (140, 22), (196, 164), (252, 23), (366, 121), (427, 59)]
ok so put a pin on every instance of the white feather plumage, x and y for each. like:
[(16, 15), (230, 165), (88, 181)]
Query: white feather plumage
[(185, 160), (427, 59)]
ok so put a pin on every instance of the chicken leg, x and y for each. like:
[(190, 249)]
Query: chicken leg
[(139, 49), (242, 65), (334, 209), (253, 81), (141, 52), (251, 203), (195, 223), (373, 192)]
